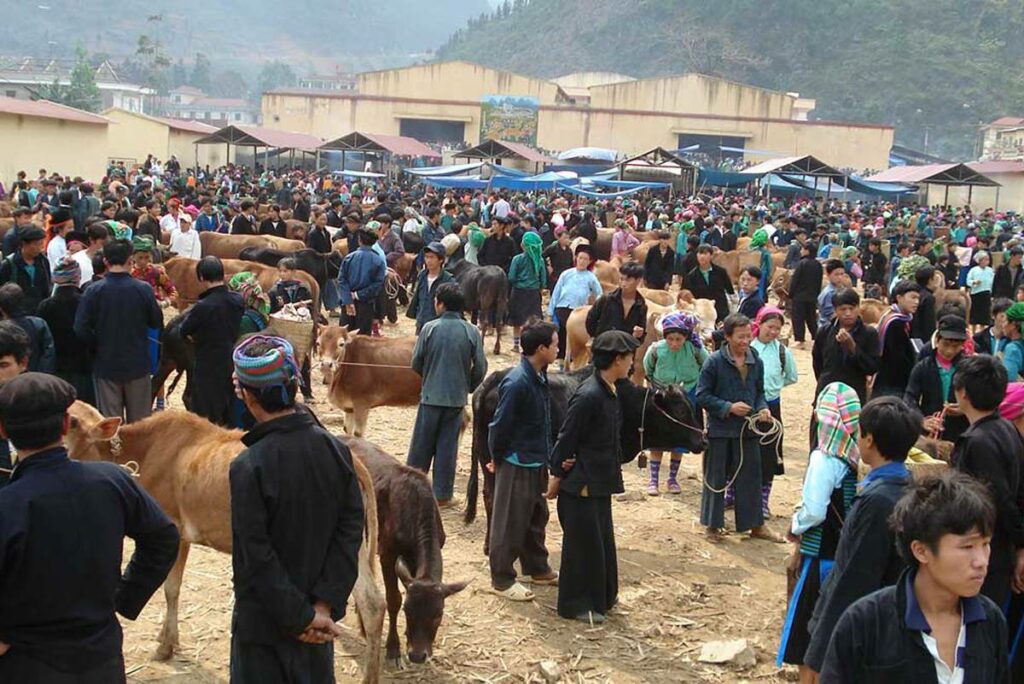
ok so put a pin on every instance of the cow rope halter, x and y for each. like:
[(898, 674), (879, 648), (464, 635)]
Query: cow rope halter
[(131, 467), (770, 435)]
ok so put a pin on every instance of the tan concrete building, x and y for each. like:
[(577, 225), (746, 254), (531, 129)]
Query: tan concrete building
[(441, 102), (40, 134), (133, 136)]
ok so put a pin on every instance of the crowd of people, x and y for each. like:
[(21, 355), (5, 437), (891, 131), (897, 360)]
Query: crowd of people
[(890, 575)]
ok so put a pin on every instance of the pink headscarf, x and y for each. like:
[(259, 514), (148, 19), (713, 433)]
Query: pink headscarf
[(762, 314), (1013, 403)]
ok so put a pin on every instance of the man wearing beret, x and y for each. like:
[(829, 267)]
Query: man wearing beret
[(62, 530), (28, 267)]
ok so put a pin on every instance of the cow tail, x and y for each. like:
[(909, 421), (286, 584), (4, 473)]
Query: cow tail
[(370, 524)]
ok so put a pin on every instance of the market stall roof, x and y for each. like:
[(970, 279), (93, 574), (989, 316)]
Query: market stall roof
[(256, 136), (594, 154), (797, 166), (657, 157), (933, 174), (376, 142), (503, 149)]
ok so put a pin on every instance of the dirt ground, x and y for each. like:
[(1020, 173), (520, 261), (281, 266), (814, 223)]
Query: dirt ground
[(676, 590)]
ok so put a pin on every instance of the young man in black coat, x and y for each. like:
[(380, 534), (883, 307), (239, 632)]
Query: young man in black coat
[(30, 256), (804, 288), (898, 354), (710, 281), (846, 350), (61, 545), (213, 324), (624, 308), (930, 386), (659, 263), (291, 580), (933, 619), (992, 451), (866, 558)]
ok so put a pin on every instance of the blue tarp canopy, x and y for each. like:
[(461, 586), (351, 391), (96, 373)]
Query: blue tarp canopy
[(577, 190), (543, 181), (723, 179), (450, 170), (507, 171), (358, 174), (595, 153), (458, 182), (626, 185)]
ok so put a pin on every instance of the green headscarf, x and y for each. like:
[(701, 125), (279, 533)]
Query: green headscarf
[(759, 238), (476, 236), (142, 243), (848, 252), (1016, 312), (246, 284), (532, 246)]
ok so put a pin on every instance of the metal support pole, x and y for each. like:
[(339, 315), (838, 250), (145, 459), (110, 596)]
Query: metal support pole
[(945, 202), (970, 194)]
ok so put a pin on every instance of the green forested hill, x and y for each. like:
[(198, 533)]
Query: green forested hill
[(934, 68)]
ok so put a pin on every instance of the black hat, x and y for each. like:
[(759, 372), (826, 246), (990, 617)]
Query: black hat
[(584, 247), (31, 233), (615, 342), (437, 248), (952, 328), (60, 215), (32, 397)]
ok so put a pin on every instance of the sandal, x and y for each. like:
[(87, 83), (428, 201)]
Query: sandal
[(517, 592), (766, 534), (548, 580), (591, 618)]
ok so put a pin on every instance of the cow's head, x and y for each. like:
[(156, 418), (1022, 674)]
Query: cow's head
[(91, 437), (331, 344), (424, 608), (671, 420)]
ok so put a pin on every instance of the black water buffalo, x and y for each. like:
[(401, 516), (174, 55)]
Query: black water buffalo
[(412, 242), (665, 413), (322, 267), (177, 355), (485, 289)]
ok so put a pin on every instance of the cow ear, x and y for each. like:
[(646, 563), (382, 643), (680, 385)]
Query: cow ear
[(106, 429), (449, 589), (402, 570)]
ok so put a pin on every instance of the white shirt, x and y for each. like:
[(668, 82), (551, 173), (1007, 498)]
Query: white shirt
[(502, 208), (84, 260), (168, 223), (186, 243), (55, 251), (411, 226), (943, 673)]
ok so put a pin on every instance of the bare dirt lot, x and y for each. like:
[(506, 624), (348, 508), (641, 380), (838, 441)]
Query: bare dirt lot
[(676, 590)]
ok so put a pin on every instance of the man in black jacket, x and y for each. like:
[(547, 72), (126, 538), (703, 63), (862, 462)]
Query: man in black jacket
[(710, 281), (875, 265), (930, 386), (113, 320), (498, 249), (923, 325), (992, 451), (64, 524), (623, 308), (933, 619), (898, 354), (291, 580), (804, 287), (866, 558), (300, 205), (846, 350), (213, 324), (274, 224), (245, 222), (1009, 276), (29, 267)]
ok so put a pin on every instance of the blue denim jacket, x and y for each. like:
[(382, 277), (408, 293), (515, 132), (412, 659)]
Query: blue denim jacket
[(720, 386), (522, 421)]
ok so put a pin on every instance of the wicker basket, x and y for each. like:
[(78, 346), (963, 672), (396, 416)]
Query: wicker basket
[(919, 471), (298, 333)]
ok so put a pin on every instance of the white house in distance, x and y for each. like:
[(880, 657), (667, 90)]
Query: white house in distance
[(22, 78), (186, 102)]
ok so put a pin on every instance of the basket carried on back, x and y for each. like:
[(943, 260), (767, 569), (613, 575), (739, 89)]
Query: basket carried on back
[(298, 333)]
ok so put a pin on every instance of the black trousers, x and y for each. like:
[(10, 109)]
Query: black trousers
[(519, 518), (771, 454), (363, 320), (562, 314), (16, 666), (286, 662), (805, 315), (721, 461), (589, 579)]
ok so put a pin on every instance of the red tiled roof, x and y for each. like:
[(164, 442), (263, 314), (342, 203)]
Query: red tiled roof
[(186, 125), (997, 166), (1007, 121), (49, 110)]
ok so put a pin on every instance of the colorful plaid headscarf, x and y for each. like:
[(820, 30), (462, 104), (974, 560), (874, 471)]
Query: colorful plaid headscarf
[(119, 230), (276, 367), (68, 272), (253, 296), (684, 322), (838, 413)]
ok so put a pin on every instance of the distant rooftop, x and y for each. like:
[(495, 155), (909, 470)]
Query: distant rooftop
[(49, 110)]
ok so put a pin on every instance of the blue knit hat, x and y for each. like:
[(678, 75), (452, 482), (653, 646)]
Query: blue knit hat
[(276, 367)]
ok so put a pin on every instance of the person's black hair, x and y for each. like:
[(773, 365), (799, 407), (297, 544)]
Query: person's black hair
[(705, 249), (367, 237), (983, 379), (107, 204), (97, 231), (288, 264), (632, 269), (274, 207), (536, 334), (893, 423), (733, 321), (693, 241), (208, 201), (833, 265), (1000, 305), (273, 398), (129, 217), (336, 202), (149, 204), (11, 299), (248, 204), (902, 246), (845, 296), (432, 212), (752, 271), (99, 266), (1016, 251), (810, 247), (798, 231), (877, 242), (950, 503), (210, 269), (664, 235), (530, 221), (117, 252), (14, 341), (951, 307), (905, 286), (450, 294), (923, 276), (21, 211)]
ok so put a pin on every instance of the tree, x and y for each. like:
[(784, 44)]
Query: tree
[(153, 61), (179, 76), (201, 75), (229, 83), (275, 74), (81, 91)]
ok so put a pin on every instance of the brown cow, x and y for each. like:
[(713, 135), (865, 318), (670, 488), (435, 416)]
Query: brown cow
[(296, 230), (183, 462), (5, 209), (659, 297), (607, 273), (577, 350), (371, 372), (411, 538), (871, 310), (942, 295), (182, 272), (230, 246)]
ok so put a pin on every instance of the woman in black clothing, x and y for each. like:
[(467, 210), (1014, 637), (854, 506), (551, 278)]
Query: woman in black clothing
[(659, 262)]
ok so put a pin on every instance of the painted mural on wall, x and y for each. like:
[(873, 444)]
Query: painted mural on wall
[(509, 117)]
